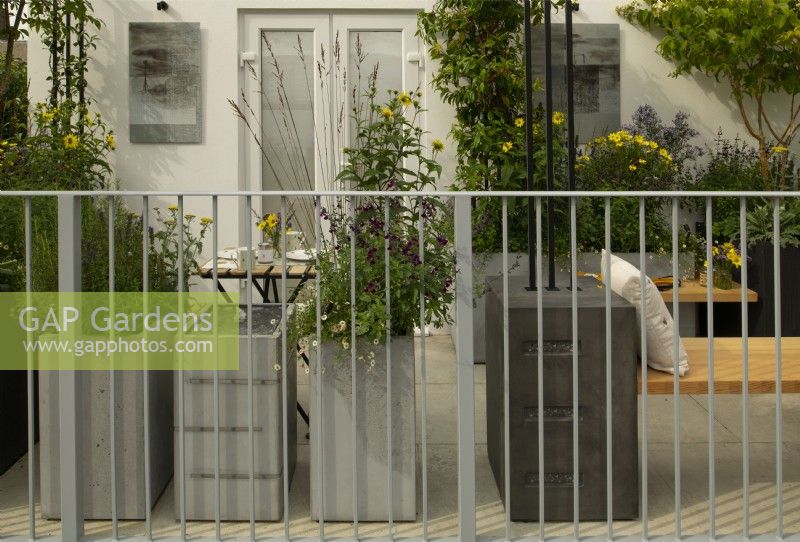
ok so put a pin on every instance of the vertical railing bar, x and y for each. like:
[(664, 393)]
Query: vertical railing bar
[(285, 371), (424, 372), (776, 255), (112, 379), (354, 402), (465, 370), (710, 362), (181, 391), (71, 381), (31, 409), (250, 371), (643, 284), (506, 380), (148, 505), (390, 459), (745, 376), (319, 428), (540, 363), (573, 258), (676, 368), (215, 280), (609, 396)]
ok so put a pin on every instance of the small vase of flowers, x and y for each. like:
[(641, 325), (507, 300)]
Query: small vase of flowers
[(270, 227), (726, 257)]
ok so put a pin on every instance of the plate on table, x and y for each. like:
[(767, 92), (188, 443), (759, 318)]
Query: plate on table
[(302, 255)]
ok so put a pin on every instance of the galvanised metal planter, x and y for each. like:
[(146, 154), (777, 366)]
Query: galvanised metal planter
[(331, 433)]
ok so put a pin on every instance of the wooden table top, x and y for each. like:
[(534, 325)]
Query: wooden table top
[(728, 367), (294, 270), (690, 291)]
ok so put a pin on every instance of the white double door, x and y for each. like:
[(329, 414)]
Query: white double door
[(304, 74)]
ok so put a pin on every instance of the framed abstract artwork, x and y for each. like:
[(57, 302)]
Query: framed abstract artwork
[(596, 75), (165, 103)]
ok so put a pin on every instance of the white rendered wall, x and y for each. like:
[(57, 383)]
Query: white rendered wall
[(216, 163)]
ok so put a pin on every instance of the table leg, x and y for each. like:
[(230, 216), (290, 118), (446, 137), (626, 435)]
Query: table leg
[(223, 292)]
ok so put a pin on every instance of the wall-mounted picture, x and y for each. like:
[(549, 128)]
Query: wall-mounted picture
[(596, 94), (165, 100)]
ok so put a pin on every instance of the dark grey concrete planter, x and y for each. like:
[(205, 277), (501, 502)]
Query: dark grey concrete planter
[(334, 420), (558, 409)]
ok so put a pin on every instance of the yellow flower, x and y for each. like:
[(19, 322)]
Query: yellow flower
[(437, 144), (404, 98), (205, 221), (48, 116), (172, 207), (632, 167), (584, 158), (190, 216), (519, 122), (111, 142), (558, 118), (665, 155), (640, 140), (507, 146), (262, 225), (653, 145), (387, 113), (71, 141), (642, 161), (715, 251), (88, 119), (779, 149), (272, 220)]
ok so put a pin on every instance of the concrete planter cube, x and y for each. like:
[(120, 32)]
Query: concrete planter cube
[(491, 265), (96, 450), (558, 413), (268, 410), (332, 422)]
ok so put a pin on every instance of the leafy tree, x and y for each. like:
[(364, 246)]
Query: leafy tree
[(753, 45)]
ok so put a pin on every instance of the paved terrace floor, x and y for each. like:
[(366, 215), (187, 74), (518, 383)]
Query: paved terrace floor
[(441, 392)]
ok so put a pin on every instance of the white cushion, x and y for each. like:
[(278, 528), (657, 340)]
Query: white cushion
[(660, 327)]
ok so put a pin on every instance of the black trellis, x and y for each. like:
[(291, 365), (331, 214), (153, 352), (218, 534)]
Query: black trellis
[(548, 52)]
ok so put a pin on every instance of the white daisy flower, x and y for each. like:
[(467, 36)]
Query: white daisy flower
[(277, 366)]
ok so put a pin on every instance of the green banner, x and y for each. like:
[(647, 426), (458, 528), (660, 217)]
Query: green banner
[(121, 331)]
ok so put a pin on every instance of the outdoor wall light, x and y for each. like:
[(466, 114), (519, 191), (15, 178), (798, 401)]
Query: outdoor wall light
[(162, 6)]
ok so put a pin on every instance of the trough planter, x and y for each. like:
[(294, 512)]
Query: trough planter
[(760, 278), (492, 265), (332, 421), (14, 422), (268, 406)]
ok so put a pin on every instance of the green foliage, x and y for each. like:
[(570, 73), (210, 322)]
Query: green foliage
[(66, 149), (479, 48), (735, 166), (623, 161), (753, 45), (164, 240), (388, 155), (14, 100), (760, 223)]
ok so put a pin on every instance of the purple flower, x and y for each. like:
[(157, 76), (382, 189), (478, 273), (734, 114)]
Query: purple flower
[(441, 239)]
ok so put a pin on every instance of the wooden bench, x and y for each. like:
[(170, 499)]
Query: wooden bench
[(728, 367)]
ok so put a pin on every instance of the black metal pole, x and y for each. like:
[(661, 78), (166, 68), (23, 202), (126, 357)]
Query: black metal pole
[(571, 142), (548, 73), (529, 144)]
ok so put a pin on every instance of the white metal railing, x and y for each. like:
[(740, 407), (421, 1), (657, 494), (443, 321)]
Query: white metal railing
[(71, 392)]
